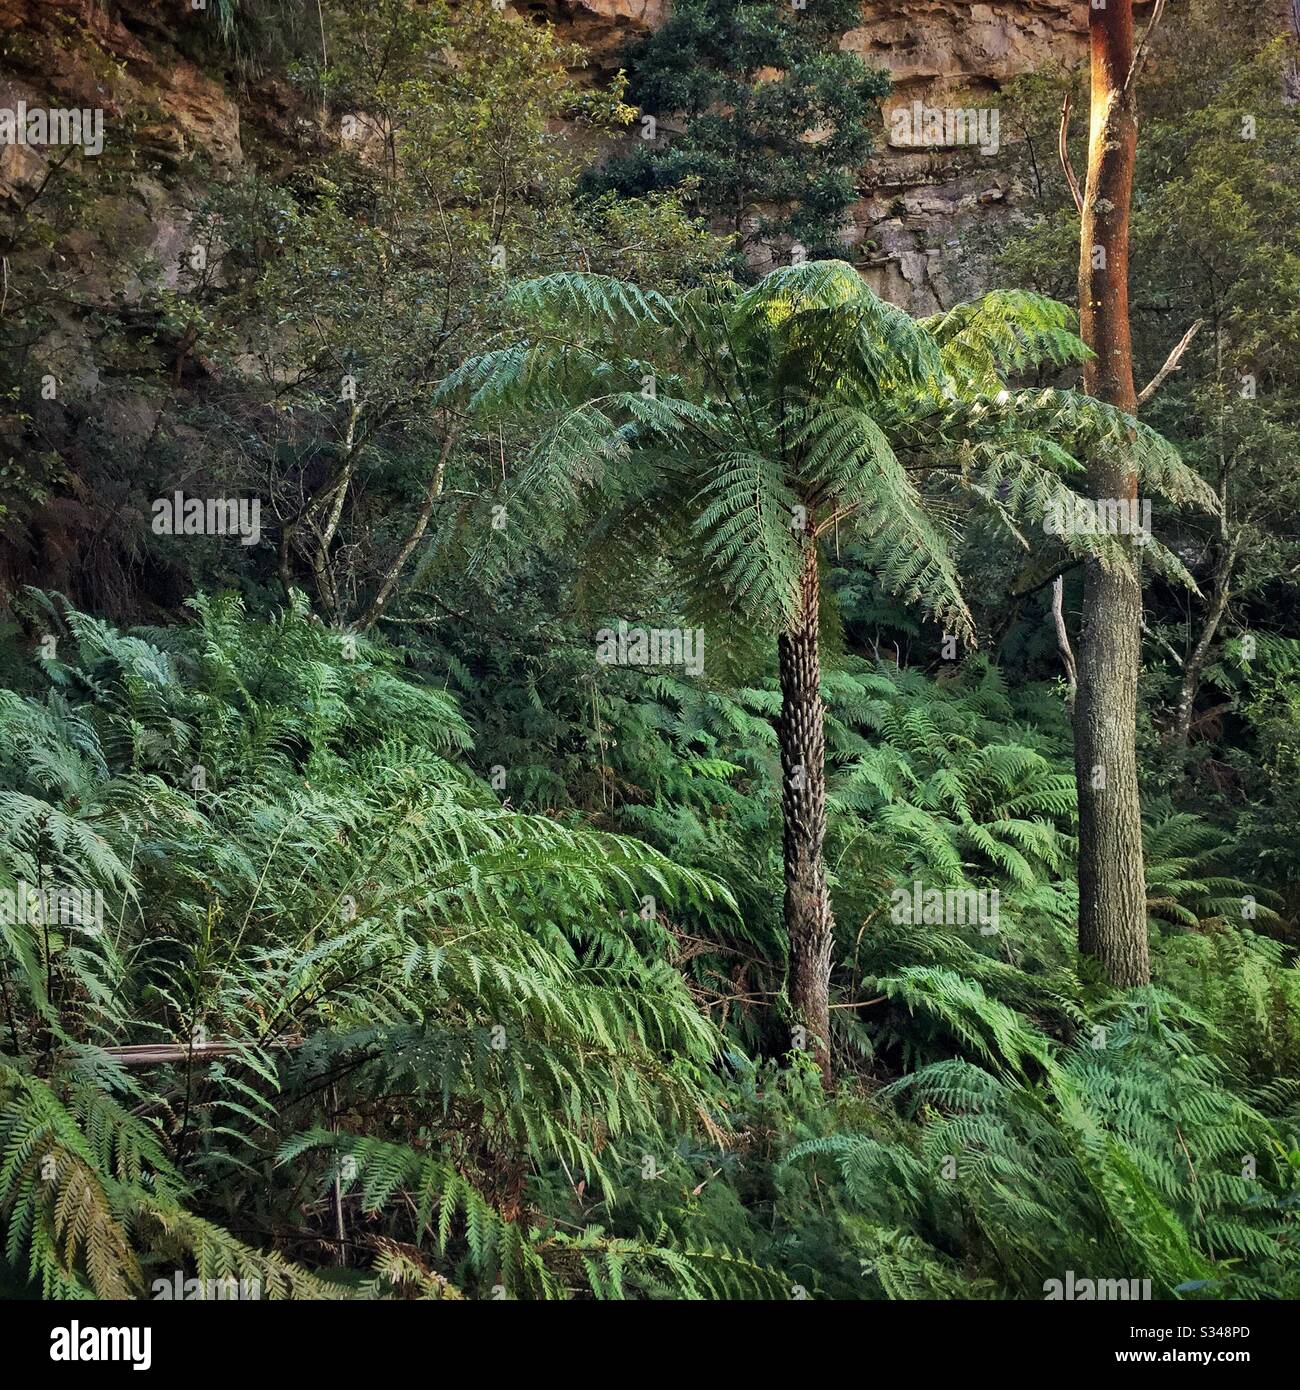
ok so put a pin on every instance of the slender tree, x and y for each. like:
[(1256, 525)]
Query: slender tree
[(1112, 884), (768, 419)]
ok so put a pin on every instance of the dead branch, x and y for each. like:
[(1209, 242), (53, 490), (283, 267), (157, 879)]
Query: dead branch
[(1140, 56), (1171, 363), (1063, 149), (165, 1054), (1063, 635), (1163, 643)]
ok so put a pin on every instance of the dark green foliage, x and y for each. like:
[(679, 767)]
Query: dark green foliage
[(516, 1075), (461, 951), (774, 117), (375, 903)]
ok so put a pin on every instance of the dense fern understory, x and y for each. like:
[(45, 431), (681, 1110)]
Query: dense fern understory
[(479, 1051)]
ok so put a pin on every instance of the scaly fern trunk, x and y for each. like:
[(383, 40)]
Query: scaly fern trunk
[(808, 920), (1112, 882)]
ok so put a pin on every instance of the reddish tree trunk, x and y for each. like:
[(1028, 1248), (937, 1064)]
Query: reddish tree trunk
[(1112, 883)]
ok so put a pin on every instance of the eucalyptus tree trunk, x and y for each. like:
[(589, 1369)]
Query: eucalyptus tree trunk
[(802, 734), (1112, 884)]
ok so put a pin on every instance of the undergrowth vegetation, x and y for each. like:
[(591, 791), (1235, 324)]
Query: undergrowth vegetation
[(428, 1045), (369, 931)]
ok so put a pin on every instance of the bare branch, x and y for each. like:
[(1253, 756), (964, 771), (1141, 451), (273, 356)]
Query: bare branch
[(416, 534), (1063, 149), (1041, 581), (1063, 636), (1140, 57), (165, 1054), (1171, 363), (1163, 643)]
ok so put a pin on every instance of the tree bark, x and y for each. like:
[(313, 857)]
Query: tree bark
[(1112, 881), (809, 923)]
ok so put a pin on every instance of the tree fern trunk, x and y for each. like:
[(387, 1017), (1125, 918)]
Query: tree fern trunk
[(1112, 882), (808, 920)]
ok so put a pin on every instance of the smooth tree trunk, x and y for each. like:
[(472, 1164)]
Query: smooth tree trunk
[(1112, 881), (809, 923)]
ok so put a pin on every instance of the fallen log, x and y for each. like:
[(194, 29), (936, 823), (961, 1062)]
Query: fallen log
[(163, 1054)]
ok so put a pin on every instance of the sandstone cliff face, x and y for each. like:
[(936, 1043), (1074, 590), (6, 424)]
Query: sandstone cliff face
[(603, 27), (907, 227), (915, 205), (929, 46), (121, 58), (175, 121)]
